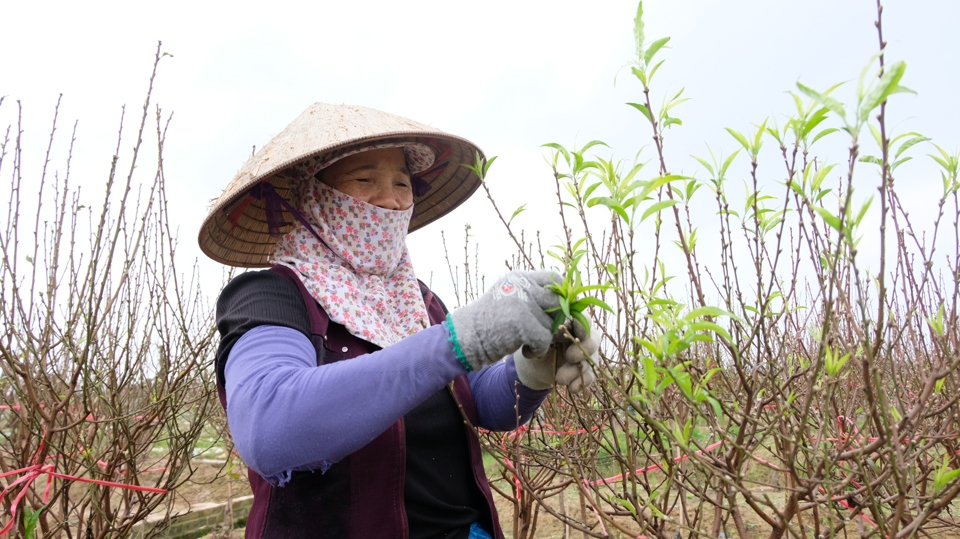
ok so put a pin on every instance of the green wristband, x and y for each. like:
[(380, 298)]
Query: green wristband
[(456, 344)]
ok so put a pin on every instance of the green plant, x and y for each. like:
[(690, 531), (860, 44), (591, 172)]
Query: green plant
[(106, 351), (777, 376), (572, 287)]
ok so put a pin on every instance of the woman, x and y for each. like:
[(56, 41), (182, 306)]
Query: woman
[(374, 446)]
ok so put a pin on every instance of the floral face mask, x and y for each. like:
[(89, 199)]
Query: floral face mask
[(361, 272)]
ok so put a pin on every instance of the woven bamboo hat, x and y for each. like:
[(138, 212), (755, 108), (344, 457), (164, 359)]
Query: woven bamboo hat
[(245, 222)]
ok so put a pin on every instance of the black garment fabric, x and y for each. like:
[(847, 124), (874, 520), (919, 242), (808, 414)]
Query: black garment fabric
[(440, 494), (256, 298)]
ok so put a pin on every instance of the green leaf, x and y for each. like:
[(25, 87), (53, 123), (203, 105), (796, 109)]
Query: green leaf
[(740, 138), (944, 475), (606, 201), (563, 151), (649, 374), (758, 136), (651, 347), (828, 217), (936, 322), (877, 136), (727, 162), (593, 143), (621, 212), (628, 505), (583, 302), (517, 212), (656, 208), (590, 189), (835, 106), (775, 134), (486, 165), (704, 325), (863, 211), (906, 145), (888, 84), (578, 316), (899, 162), (659, 182), (698, 337), (640, 74), (653, 48), (643, 109), (825, 132), (557, 322), (716, 407), (705, 164), (653, 71), (30, 520), (813, 121), (576, 291), (796, 188), (565, 305), (670, 120)]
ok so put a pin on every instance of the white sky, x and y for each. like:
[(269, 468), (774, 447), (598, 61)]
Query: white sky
[(508, 75)]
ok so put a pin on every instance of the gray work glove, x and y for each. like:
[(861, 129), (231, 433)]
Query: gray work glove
[(563, 363), (509, 315)]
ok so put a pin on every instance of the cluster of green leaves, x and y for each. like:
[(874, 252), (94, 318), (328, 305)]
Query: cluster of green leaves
[(834, 362), (571, 290), (662, 363), (945, 475), (31, 518), (950, 163), (643, 67), (625, 191), (480, 166), (869, 96)]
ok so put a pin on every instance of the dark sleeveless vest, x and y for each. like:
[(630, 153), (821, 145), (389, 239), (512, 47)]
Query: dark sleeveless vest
[(360, 497)]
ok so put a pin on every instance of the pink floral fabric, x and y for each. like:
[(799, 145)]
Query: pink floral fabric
[(365, 279)]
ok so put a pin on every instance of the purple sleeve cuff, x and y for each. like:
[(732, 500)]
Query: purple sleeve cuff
[(503, 403), (285, 413)]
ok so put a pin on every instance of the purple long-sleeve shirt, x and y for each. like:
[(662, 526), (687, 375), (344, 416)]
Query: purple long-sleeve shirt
[(286, 413)]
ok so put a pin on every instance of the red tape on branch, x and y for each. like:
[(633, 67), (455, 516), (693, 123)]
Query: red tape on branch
[(651, 468), (31, 473), (538, 430)]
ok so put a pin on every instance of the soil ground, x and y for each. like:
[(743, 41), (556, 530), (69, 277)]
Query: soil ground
[(210, 484)]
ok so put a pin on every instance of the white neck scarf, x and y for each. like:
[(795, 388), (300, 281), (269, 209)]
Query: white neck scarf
[(369, 285)]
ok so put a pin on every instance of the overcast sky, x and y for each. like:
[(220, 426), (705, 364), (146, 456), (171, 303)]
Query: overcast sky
[(509, 75)]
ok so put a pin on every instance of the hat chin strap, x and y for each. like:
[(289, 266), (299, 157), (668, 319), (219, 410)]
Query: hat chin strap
[(273, 202)]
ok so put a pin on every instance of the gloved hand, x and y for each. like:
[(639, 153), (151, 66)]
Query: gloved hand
[(563, 363), (509, 315)]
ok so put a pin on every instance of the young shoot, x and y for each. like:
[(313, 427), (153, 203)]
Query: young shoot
[(571, 290)]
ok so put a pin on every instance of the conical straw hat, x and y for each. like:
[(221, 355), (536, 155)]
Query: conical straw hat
[(236, 231)]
